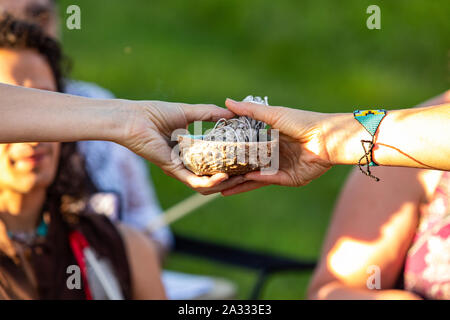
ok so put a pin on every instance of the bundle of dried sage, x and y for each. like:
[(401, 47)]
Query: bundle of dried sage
[(240, 129)]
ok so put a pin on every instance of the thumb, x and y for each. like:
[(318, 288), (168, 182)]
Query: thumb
[(205, 112), (255, 111)]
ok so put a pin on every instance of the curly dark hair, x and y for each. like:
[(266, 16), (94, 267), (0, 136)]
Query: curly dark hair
[(16, 34), (72, 184)]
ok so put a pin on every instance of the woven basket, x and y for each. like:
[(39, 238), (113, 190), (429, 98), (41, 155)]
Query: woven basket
[(234, 158)]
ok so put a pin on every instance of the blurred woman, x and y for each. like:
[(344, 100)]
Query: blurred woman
[(389, 240), (110, 166), (48, 234)]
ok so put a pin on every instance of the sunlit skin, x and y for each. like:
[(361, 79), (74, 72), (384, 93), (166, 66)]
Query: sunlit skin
[(349, 257), (373, 224), (28, 169)]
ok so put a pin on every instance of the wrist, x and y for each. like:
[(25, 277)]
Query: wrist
[(342, 136), (93, 119), (318, 136), (122, 115), (327, 137)]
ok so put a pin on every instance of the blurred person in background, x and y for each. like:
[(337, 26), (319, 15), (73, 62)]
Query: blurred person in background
[(115, 170), (400, 225), (112, 168), (47, 213), (392, 235)]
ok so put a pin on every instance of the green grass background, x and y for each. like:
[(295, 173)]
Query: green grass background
[(315, 54)]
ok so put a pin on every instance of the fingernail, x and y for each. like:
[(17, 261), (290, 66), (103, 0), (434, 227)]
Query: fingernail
[(231, 100)]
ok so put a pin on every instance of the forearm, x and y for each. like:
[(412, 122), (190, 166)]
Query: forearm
[(338, 291), (412, 138), (35, 115)]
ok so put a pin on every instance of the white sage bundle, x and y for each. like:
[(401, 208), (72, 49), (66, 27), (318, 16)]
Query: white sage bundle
[(240, 129)]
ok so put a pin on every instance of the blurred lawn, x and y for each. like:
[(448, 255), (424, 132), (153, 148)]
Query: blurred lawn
[(313, 54)]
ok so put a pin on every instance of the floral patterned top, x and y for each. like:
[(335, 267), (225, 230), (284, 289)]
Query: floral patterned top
[(427, 267)]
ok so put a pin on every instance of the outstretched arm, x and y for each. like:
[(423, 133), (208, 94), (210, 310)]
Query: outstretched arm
[(312, 142), (36, 115), (145, 127), (418, 138)]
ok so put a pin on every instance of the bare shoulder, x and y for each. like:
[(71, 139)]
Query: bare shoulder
[(144, 264)]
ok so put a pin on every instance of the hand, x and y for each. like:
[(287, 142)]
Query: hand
[(148, 133), (303, 154)]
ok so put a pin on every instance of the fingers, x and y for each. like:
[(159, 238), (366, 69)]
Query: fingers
[(227, 184), (279, 178), (210, 184), (244, 187), (220, 182), (199, 183), (205, 112), (256, 111)]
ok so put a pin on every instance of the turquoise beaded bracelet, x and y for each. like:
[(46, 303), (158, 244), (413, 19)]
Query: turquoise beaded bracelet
[(370, 120)]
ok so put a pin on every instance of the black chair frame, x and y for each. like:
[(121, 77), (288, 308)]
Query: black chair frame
[(265, 264)]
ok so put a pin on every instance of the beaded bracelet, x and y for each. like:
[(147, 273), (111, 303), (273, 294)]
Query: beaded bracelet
[(370, 120)]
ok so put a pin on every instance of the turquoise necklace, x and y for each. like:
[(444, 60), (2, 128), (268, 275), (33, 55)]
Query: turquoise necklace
[(30, 237)]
